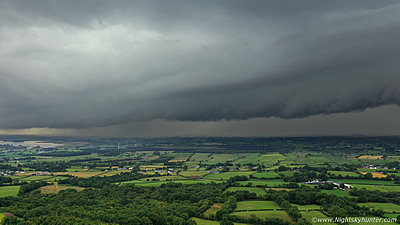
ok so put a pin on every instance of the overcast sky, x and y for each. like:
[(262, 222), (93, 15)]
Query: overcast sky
[(165, 68)]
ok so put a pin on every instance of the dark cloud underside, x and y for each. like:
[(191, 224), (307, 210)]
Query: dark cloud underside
[(74, 64)]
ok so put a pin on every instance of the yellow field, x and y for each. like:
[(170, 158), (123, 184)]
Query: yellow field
[(114, 172), (213, 209), (24, 174), (152, 167), (56, 188), (80, 174), (370, 157), (379, 175), (180, 157), (149, 157)]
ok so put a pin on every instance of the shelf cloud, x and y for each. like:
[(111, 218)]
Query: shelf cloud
[(74, 64)]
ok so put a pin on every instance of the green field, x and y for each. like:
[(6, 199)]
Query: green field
[(287, 173), (268, 160), (386, 207), (132, 182), (221, 158), (307, 207), (291, 156), (344, 173), (265, 214), (163, 178), (1, 216), (149, 183), (375, 170), (335, 192), (269, 183), (286, 163), (29, 177), (179, 157), (227, 175), (365, 161), (315, 214), (245, 159), (193, 173), (18, 177), (320, 159), (266, 175), (258, 191), (94, 169), (390, 188), (395, 174), (51, 179), (394, 158), (382, 188), (369, 187), (350, 160), (390, 215), (209, 222), (9, 191), (204, 222), (336, 159), (303, 159), (362, 181), (373, 161), (198, 157), (257, 205), (36, 178)]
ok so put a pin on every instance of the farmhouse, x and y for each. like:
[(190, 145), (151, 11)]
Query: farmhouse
[(41, 173), (3, 174), (336, 184), (348, 186), (316, 181)]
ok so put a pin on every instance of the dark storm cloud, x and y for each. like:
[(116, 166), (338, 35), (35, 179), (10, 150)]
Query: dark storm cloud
[(66, 64)]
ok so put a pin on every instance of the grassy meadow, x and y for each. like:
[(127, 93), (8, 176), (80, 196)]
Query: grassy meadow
[(265, 214), (53, 189), (257, 205), (9, 191)]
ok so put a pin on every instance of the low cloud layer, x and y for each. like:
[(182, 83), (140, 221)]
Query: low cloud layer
[(69, 64)]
